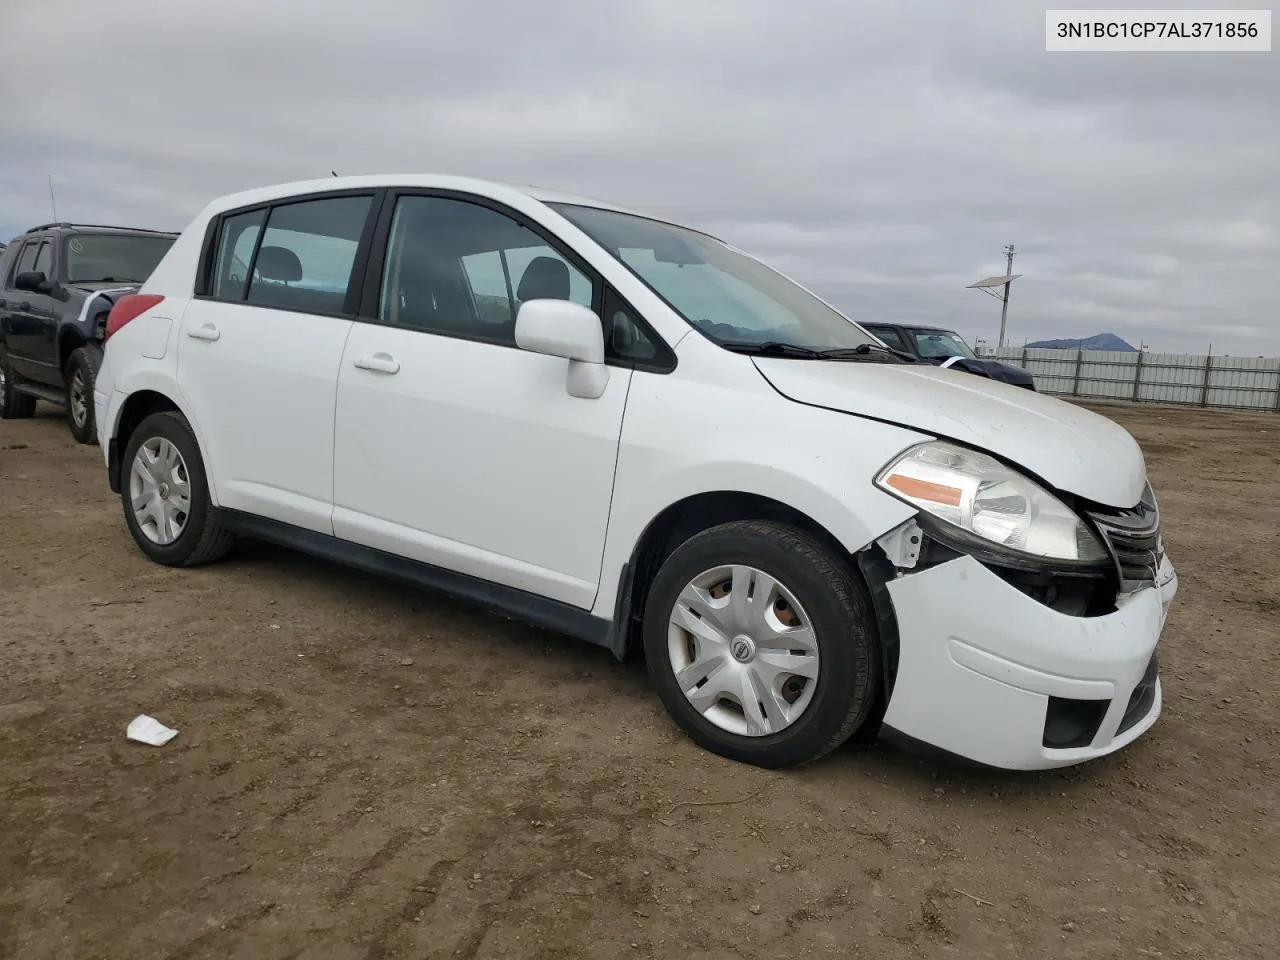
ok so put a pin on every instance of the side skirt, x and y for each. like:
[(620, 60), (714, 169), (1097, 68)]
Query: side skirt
[(520, 604)]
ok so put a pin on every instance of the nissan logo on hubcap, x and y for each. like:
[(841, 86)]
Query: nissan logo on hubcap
[(742, 648)]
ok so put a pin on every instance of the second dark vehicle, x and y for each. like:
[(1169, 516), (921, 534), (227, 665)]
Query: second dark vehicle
[(943, 347), (58, 282)]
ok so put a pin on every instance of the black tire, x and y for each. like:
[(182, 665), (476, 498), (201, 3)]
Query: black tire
[(81, 372), (840, 614), (201, 540), (13, 405)]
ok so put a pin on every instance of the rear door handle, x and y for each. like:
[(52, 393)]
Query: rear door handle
[(205, 331), (379, 363)]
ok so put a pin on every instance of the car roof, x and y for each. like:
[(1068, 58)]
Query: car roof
[(909, 326), (427, 181), (101, 228)]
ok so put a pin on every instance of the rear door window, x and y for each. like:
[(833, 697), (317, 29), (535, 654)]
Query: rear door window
[(305, 258)]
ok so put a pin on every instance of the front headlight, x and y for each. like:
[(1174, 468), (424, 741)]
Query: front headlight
[(981, 496)]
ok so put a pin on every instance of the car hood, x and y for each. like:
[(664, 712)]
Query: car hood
[(991, 368), (1066, 446), (108, 287)]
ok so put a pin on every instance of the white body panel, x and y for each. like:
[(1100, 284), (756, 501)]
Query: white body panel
[(978, 684), (1063, 443), (128, 368), (716, 425), (264, 394), (476, 458)]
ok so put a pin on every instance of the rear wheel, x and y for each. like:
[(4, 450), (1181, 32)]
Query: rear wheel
[(165, 494), (81, 372), (13, 405), (761, 642)]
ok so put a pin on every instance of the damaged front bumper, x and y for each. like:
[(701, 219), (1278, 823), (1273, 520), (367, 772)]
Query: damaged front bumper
[(989, 673)]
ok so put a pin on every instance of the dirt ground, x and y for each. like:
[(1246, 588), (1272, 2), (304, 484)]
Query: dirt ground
[(363, 771)]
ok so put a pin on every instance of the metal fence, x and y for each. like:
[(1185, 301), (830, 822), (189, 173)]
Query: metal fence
[(1236, 383)]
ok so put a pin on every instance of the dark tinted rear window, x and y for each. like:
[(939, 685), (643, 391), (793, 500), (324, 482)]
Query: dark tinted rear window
[(114, 258)]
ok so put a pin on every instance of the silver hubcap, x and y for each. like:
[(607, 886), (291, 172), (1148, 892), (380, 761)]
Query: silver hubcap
[(79, 406), (743, 650), (159, 491)]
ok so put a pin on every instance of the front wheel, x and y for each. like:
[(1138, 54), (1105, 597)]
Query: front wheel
[(82, 371), (166, 494), (761, 642)]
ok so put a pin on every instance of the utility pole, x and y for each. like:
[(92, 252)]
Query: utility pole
[(52, 199), (1004, 304), (989, 285)]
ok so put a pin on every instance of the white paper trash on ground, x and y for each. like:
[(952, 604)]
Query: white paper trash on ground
[(149, 730)]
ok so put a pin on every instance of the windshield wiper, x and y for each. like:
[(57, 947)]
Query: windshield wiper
[(116, 280), (776, 348), (864, 350)]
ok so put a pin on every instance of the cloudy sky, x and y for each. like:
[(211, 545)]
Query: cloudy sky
[(881, 151)]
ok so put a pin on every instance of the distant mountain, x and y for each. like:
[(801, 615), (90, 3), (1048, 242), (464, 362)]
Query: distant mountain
[(1102, 341)]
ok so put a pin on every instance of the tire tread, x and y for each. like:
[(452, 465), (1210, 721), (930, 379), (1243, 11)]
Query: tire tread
[(91, 356)]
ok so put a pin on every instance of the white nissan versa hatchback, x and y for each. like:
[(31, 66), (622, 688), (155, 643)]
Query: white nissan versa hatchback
[(628, 431)]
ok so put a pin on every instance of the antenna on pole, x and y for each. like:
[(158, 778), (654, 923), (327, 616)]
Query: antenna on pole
[(988, 285), (52, 199)]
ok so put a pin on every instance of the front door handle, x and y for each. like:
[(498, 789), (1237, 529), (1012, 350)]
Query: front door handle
[(205, 331), (25, 306), (379, 363)]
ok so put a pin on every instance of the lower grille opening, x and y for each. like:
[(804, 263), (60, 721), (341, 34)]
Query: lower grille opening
[(1143, 697), (1072, 723)]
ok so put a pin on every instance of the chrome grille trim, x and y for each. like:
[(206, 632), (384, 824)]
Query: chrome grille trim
[(1133, 537)]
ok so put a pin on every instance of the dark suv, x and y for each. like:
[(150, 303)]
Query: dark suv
[(58, 282), (946, 348)]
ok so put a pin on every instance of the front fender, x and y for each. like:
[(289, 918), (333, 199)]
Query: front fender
[(818, 462), (84, 321)]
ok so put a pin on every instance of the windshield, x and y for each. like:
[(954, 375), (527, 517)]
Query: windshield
[(941, 344), (114, 258), (732, 298)]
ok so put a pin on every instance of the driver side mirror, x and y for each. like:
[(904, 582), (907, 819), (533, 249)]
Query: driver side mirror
[(560, 328), (33, 281)]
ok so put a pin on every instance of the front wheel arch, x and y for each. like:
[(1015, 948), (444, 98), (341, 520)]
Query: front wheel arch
[(71, 339), (673, 526)]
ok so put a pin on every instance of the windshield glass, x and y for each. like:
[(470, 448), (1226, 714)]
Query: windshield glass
[(728, 296), (114, 258), (940, 344)]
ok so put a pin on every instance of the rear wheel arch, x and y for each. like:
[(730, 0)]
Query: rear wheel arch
[(136, 408)]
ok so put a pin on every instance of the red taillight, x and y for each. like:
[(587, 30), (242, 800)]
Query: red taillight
[(127, 308)]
